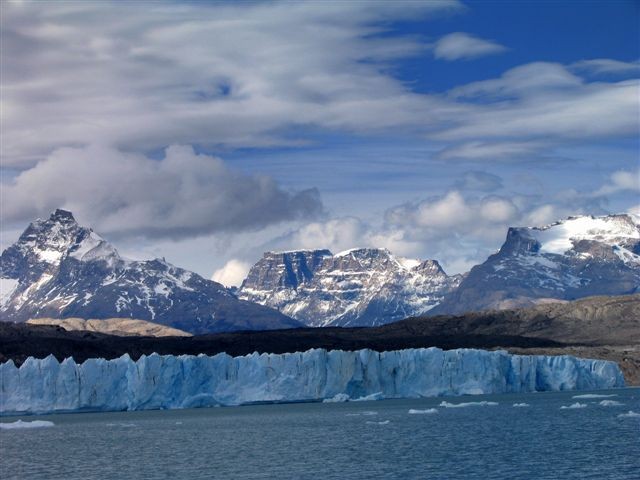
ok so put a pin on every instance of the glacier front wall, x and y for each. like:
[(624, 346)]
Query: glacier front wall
[(163, 382)]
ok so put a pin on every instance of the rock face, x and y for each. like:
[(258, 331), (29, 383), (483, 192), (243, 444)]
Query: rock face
[(360, 287), (575, 258), (121, 327), (59, 269), (161, 382)]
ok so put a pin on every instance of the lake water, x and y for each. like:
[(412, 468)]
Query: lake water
[(341, 440)]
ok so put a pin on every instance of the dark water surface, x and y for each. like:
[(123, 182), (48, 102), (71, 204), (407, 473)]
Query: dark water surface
[(345, 440)]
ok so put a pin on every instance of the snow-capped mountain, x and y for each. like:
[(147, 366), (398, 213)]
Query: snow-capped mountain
[(359, 287), (575, 258), (59, 269)]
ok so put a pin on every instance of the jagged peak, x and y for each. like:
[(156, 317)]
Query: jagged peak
[(62, 215), (430, 266), (364, 251), (318, 251), (49, 241)]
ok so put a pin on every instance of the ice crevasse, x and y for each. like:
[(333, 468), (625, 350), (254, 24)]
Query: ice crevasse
[(167, 381)]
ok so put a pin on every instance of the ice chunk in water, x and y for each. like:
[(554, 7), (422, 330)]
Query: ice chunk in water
[(19, 424), (573, 406), (467, 404)]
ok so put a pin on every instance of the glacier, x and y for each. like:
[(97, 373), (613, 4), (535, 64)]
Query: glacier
[(168, 381)]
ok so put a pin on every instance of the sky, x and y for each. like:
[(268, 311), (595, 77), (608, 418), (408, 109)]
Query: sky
[(210, 132)]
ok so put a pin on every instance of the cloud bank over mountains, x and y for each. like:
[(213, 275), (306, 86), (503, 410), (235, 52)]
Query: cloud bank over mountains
[(135, 117), (180, 195)]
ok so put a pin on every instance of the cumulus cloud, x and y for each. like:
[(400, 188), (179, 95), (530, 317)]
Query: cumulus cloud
[(454, 211), (621, 181), (232, 273), (182, 194), (451, 228), (335, 234), (461, 46), (460, 228)]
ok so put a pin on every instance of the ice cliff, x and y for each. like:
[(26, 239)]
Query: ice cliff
[(163, 382)]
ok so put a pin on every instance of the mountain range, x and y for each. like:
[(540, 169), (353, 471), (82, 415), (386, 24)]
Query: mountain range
[(59, 269), (359, 287), (574, 258)]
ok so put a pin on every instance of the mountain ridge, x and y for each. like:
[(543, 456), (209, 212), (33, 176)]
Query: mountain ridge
[(60, 269), (356, 287), (578, 257)]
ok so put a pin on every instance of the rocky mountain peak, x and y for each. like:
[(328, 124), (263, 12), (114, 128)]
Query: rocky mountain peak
[(360, 286), (577, 257), (59, 269), (288, 270), (62, 216), (430, 267)]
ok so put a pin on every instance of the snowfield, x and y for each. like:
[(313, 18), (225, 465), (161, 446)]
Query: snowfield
[(166, 382)]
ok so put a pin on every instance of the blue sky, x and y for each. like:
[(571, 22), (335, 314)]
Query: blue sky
[(210, 132)]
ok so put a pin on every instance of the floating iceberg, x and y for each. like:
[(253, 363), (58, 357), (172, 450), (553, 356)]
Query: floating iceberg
[(20, 425), (594, 395), (163, 382), (339, 398), (629, 414), (573, 406), (468, 404), (413, 411)]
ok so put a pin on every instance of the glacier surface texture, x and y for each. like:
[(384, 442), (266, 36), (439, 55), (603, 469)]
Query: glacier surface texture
[(164, 382)]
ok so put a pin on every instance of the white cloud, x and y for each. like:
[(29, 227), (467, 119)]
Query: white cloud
[(139, 75), (491, 151), (336, 234), (602, 66), (543, 102), (520, 81), (455, 230), (542, 215), (232, 273), (621, 181), (459, 228), (182, 194), (462, 46), (454, 214)]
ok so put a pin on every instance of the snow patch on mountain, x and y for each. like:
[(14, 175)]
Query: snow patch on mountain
[(7, 287), (560, 237)]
